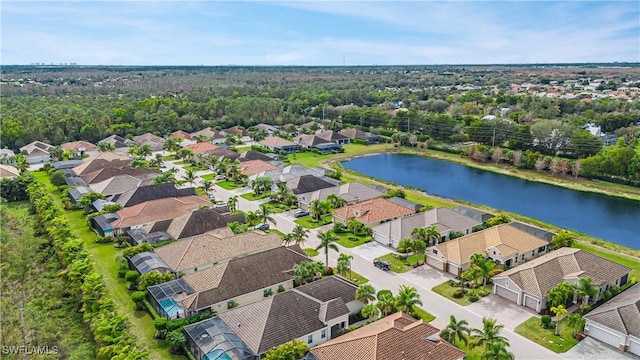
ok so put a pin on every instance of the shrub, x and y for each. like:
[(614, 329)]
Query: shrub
[(176, 324), (496, 271), (104, 239), (329, 271), (545, 321), (138, 297), (122, 272), (338, 228), (484, 292), (453, 283), (473, 297), (458, 293), (131, 276)]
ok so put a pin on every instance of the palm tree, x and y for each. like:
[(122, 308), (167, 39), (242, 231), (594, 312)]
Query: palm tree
[(145, 150), (190, 177), (489, 334), (560, 311), (318, 269), (370, 311), (234, 172), (317, 209), (483, 265), (418, 247), (172, 144), (456, 330), (433, 234), (342, 266), (386, 302), (264, 214), (407, 298), (497, 351), (105, 147), (232, 203), (222, 166), (157, 160), (327, 241), (299, 234), (346, 258), (252, 217), (365, 293), (405, 245), (207, 186), (336, 201), (585, 289), (420, 234), (576, 321), (354, 226)]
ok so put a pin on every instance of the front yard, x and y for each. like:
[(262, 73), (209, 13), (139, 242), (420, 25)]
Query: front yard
[(310, 252), (278, 208), (356, 278), (348, 240), (532, 330), (227, 185), (311, 223), (425, 316), (400, 266), (447, 291), (251, 196)]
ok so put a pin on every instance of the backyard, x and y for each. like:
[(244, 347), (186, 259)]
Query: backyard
[(532, 330)]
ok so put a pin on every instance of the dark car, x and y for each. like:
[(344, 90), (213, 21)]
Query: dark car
[(384, 265), (300, 213), (262, 227)]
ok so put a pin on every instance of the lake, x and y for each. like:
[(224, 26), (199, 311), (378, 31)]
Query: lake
[(610, 218)]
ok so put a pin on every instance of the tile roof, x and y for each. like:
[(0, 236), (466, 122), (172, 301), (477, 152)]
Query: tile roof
[(156, 142), (445, 219), (280, 318), (460, 250), (309, 140), (102, 158), (197, 222), (141, 194), (181, 134), (352, 192), (356, 133), (275, 142), (622, 313), (310, 183), (7, 171), (208, 248), (209, 133), (117, 141), (36, 147), (236, 130), (201, 147), (541, 274), (109, 172), (235, 277), (222, 152), (331, 136), (160, 209), (372, 211), (287, 173), (395, 337), (253, 167), (121, 183), (332, 287), (253, 155), (79, 146)]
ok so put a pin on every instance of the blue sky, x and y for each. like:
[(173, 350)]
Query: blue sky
[(318, 33)]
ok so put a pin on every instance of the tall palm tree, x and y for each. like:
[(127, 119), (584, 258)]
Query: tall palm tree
[(497, 351), (576, 321), (433, 234), (346, 258), (207, 186), (232, 203), (354, 226), (317, 209), (407, 298), (370, 311), (418, 247), (190, 177), (456, 330), (490, 333), (299, 234), (386, 302), (560, 311), (365, 293), (585, 289), (327, 241), (264, 214), (484, 267), (145, 150)]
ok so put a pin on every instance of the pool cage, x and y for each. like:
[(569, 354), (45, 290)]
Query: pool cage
[(211, 339), (147, 261), (165, 298)]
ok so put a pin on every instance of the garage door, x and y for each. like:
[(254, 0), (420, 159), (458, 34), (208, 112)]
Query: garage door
[(604, 336), (435, 263), (454, 269), (531, 303), (634, 347), (507, 294)]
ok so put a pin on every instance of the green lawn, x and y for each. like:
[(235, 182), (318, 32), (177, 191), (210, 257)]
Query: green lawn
[(279, 207), (311, 252), (227, 185), (310, 159), (18, 208), (275, 231), (181, 162), (446, 290), (619, 258), (169, 157), (425, 316), (532, 330), (209, 177), (356, 278), (103, 256), (349, 240), (193, 168), (311, 223), (399, 266), (473, 353), (252, 196)]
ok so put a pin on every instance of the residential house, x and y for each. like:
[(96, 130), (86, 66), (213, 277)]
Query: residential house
[(37, 152), (150, 192), (102, 224), (148, 261), (328, 148), (109, 172), (609, 139), (351, 192), (253, 167), (528, 284), (137, 216), (270, 129), (252, 330), (201, 147), (195, 223), (211, 135), (353, 133), (279, 144), (8, 171), (254, 155), (121, 144), (394, 337), (233, 282), (308, 126), (236, 130), (155, 141), (505, 244), (80, 148), (406, 203), (7, 156), (478, 215), (309, 141), (120, 184), (617, 322), (202, 251), (370, 212), (534, 230), (334, 137), (282, 175), (102, 160), (186, 138), (445, 220), (222, 153), (310, 183), (66, 164)]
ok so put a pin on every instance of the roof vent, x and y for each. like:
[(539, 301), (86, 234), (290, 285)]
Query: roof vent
[(433, 338), (238, 324)]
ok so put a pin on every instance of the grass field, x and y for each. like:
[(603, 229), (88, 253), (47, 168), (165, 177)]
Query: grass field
[(279, 207), (532, 330), (103, 255), (310, 223), (399, 266), (310, 159)]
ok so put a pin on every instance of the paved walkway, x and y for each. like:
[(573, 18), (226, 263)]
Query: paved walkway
[(593, 349)]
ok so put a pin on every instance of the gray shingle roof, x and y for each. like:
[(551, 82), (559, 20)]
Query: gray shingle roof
[(309, 183), (150, 192), (622, 313), (197, 222)]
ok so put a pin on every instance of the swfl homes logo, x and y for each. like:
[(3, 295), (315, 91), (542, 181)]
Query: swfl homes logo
[(29, 350)]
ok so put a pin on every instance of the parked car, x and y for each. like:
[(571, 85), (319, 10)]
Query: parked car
[(382, 264), (300, 213), (262, 227), (219, 177)]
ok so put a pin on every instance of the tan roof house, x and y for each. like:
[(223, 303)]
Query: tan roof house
[(211, 135), (101, 160), (37, 152), (201, 147), (279, 144), (202, 251), (395, 337), (528, 284), (137, 216), (253, 167), (80, 148), (8, 171), (155, 141), (371, 212), (505, 244), (187, 139), (352, 192)]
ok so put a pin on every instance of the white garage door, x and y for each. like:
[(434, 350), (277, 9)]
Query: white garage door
[(507, 294), (604, 336), (454, 270), (634, 347), (435, 263), (531, 303)]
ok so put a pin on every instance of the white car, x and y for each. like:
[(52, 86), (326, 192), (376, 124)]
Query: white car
[(219, 177)]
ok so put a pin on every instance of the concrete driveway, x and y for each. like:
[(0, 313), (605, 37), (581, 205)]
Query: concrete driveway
[(510, 314), (593, 349)]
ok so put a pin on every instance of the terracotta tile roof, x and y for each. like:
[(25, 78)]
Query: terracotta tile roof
[(8, 171), (208, 248), (201, 147), (395, 337), (541, 274), (274, 142), (79, 146), (372, 211), (622, 313), (460, 250), (252, 167), (182, 135), (156, 210)]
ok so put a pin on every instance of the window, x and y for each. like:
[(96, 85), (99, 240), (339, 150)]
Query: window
[(310, 339), (323, 333), (522, 257), (533, 253)]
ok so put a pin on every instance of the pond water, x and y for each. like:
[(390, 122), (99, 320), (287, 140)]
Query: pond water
[(610, 218)]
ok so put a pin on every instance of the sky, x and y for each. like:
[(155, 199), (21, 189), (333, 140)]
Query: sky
[(318, 33)]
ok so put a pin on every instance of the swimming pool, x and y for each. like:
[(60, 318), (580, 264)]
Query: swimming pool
[(171, 308)]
